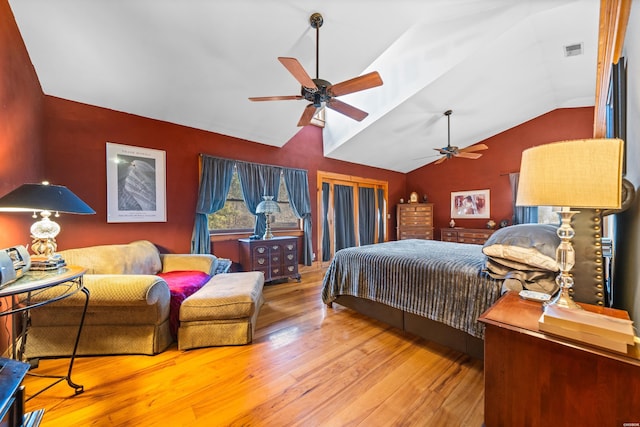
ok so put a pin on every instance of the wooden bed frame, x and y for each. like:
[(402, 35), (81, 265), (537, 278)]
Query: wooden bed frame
[(417, 325), (588, 288)]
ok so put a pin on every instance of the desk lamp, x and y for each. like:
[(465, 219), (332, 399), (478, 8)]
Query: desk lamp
[(45, 199), (267, 207), (583, 173)]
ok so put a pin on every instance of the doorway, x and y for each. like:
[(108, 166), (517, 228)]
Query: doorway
[(352, 212)]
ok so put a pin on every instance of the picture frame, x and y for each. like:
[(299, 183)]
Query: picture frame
[(136, 184), (471, 204)]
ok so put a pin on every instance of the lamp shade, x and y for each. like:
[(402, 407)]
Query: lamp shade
[(267, 206), (583, 173), (41, 197)]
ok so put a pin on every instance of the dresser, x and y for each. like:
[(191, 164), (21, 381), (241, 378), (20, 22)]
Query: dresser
[(465, 235), (277, 258), (415, 221), (538, 379)]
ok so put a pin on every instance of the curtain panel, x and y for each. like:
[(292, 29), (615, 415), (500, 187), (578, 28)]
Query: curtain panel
[(215, 180), (297, 184), (343, 206), (258, 180), (366, 215), (521, 214), (381, 222)]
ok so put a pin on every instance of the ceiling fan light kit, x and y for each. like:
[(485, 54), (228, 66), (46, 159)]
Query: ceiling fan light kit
[(453, 151), (319, 92)]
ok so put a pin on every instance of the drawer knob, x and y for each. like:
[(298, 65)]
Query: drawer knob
[(290, 247), (261, 261), (260, 250)]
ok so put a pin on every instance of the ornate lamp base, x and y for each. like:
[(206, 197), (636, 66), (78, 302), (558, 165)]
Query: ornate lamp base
[(566, 259)]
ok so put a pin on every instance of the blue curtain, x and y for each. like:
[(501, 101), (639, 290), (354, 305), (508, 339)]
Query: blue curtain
[(366, 215), (381, 216), (215, 180), (256, 181), (345, 236), (521, 214), (297, 183), (326, 235)]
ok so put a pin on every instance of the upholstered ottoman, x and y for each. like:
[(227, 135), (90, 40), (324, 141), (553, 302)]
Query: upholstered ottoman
[(222, 312)]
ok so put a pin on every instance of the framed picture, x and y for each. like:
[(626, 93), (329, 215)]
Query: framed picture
[(136, 184), (470, 204)]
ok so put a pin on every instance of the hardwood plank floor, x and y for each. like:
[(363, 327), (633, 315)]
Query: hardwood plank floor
[(309, 365)]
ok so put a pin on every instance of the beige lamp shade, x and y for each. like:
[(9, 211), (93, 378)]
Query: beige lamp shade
[(583, 173)]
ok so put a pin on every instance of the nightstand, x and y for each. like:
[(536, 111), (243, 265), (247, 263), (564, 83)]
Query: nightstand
[(277, 258), (537, 379)]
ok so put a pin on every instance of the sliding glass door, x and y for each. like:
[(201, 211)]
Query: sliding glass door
[(353, 212)]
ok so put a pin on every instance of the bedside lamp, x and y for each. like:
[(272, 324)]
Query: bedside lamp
[(267, 207), (571, 174), (44, 198)]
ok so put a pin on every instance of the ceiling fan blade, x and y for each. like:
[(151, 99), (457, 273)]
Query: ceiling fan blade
[(468, 155), (437, 162), (356, 84), (296, 69), (346, 109), (307, 115), (476, 147), (275, 98)]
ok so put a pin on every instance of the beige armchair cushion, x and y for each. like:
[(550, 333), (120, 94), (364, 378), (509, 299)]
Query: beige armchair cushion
[(189, 262)]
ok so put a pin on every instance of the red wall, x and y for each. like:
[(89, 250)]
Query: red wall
[(492, 169), (20, 125), (76, 137), (20, 135)]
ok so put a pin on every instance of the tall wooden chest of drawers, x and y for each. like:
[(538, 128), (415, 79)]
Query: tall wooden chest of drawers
[(277, 258), (415, 221), (465, 235)]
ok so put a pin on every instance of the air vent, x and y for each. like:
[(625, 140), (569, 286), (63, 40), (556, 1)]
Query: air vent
[(573, 49)]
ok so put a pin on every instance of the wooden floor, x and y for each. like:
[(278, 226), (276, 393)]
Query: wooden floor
[(309, 365)]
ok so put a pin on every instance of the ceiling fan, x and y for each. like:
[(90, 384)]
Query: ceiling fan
[(452, 151), (321, 92)]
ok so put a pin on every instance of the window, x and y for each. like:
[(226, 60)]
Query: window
[(548, 215), (236, 217)]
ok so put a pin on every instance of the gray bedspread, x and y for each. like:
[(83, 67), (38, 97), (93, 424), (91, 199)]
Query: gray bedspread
[(441, 281)]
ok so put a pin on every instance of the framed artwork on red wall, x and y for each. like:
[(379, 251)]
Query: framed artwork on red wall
[(136, 184), (470, 204)]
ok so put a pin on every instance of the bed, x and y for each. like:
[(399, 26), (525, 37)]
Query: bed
[(437, 290)]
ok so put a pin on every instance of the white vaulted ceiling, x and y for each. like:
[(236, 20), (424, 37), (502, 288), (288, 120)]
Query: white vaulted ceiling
[(495, 63)]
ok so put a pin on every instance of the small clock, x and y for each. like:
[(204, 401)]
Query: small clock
[(413, 197)]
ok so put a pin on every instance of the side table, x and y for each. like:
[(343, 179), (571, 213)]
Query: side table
[(277, 258), (64, 282), (537, 379)]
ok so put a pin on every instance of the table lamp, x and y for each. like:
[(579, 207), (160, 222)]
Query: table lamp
[(583, 173), (267, 207), (45, 199)]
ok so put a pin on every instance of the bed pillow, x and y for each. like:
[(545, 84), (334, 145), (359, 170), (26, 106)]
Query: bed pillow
[(498, 267), (531, 244)]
